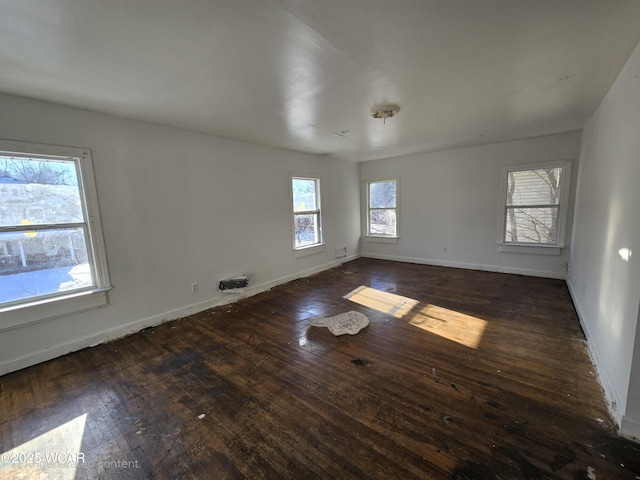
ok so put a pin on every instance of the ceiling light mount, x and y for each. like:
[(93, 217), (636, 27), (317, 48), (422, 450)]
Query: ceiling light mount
[(384, 112)]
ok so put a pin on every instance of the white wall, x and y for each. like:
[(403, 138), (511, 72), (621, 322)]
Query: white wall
[(604, 283), (451, 200), (177, 207)]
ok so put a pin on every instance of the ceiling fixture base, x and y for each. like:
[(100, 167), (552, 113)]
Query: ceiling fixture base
[(384, 111)]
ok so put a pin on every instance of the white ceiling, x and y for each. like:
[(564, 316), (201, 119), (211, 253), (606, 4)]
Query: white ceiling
[(303, 74)]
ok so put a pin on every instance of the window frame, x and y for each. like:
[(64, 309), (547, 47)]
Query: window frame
[(377, 237), (38, 308), (318, 246), (562, 208)]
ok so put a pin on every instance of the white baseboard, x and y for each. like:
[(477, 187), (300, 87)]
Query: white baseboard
[(611, 396), (630, 427), (33, 358), (294, 276), (468, 266)]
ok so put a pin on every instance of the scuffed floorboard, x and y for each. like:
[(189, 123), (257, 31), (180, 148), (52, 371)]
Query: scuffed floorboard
[(483, 376)]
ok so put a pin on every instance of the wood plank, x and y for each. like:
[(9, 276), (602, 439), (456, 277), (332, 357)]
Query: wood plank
[(250, 390)]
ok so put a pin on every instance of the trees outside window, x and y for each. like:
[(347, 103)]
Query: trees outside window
[(307, 229), (51, 243), (382, 215), (535, 204)]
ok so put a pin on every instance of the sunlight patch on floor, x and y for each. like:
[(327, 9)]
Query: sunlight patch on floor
[(54, 454), (455, 326), (384, 302)]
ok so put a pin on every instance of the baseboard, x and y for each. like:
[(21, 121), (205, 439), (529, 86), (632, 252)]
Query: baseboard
[(611, 397), (294, 276), (467, 266), (630, 427), (104, 336)]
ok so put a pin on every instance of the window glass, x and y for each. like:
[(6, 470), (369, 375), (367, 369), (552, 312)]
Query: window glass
[(533, 206), (45, 262), (382, 222), (306, 230), (38, 192), (382, 208), (306, 212), (534, 187), (45, 231), (304, 194), (382, 194)]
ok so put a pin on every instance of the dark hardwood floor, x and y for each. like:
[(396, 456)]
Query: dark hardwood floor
[(486, 376)]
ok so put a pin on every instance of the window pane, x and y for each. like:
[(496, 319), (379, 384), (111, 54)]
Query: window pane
[(532, 225), (382, 222), (382, 194), (36, 191), (306, 230), (534, 187), (304, 194), (42, 262)]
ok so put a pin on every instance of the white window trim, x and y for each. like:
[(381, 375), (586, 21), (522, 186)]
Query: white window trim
[(533, 248), (315, 248), (38, 309), (381, 239), (373, 238), (309, 250), (530, 249)]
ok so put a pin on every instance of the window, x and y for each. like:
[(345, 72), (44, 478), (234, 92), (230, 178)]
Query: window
[(535, 204), (307, 228), (50, 236), (382, 208)]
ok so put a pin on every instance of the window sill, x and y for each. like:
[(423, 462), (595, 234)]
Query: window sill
[(310, 250), (380, 239), (530, 249), (16, 316)]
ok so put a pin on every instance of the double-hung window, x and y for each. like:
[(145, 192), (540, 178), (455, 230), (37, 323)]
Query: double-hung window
[(382, 208), (535, 204), (50, 235), (307, 224)]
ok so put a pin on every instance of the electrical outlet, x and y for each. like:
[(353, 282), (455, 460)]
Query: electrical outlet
[(195, 287)]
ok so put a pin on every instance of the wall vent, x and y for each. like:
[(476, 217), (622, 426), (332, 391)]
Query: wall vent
[(233, 284)]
